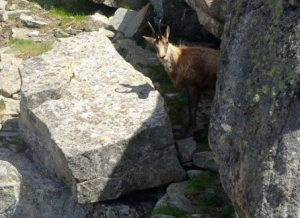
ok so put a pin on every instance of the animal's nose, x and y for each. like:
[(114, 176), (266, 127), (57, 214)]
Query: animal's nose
[(162, 57)]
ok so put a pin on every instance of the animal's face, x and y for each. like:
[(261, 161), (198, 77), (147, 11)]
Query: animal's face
[(160, 43)]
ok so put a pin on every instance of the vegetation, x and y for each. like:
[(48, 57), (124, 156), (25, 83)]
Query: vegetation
[(74, 15), (26, 48), (2, 108), (169, 210), (74, 18), (207, 194)]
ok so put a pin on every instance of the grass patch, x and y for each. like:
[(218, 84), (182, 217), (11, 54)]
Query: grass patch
[(2, 108), (26, 48), (207, 194), (69, 14), (207, 202), (72, 8), (201, 182), (227, 212), (67, 18), (169, 210)]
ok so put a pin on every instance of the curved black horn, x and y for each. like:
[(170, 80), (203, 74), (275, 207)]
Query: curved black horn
[(159, 29), (153, 31)]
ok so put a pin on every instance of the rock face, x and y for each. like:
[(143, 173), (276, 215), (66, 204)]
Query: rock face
[(210, 14), (94, 122), (255, 128), (183, 19), (25, 192)]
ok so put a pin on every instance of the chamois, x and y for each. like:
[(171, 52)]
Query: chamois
[(191, 68)]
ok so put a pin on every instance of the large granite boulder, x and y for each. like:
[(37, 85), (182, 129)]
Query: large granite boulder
[(255, 128), (95, 122), (210, 14), (183, 19), (26, 192)]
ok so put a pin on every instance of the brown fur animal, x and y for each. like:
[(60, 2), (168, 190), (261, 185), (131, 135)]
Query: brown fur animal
[(191, 68)]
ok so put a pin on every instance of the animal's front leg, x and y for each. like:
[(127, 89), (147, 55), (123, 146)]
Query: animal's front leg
[(193, 98)]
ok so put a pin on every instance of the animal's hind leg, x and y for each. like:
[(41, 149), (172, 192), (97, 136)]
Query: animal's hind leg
[(193, 98)]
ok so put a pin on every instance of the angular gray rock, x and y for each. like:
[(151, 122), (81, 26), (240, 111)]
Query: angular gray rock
[(186, 148), (175, 197), (255, 129), (3, 4), (3, 16), (12, 107), (95, 22), (210, 14), (25, 192), (31, 22), (205, 160), (182, 19), (140, 58), (95, 122), (128, 22), (10, 181), (10, 81)]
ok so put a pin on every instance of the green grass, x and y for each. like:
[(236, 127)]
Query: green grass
[(71, 14), (201, 182), (2, 108), (227, 212), (214, 201), (67, 18), (72, 8), (207, 202), (26, 48), (169, 210)]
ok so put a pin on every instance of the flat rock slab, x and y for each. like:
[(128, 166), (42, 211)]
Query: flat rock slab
[(95, 122)]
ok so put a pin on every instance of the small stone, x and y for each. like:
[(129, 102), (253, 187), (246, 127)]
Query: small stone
[(34, 33), (186, 148), (194, 173), (3, 16), (172, 95), (16, 147), (205, 160)]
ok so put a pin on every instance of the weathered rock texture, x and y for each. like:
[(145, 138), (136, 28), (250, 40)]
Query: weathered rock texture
[(254, 130), (210, 14), (182, 18), (95, 122), (10, 82), (25, 192)]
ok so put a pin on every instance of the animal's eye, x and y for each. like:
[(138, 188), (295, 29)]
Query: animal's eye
[(167, 43)]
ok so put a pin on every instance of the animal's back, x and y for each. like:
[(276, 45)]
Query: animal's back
[(197, 66)]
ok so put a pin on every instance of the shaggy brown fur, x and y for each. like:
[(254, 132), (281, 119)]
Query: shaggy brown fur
[(191, 68)]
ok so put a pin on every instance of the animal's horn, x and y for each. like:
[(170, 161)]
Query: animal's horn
[(159, 29), (153, 31)]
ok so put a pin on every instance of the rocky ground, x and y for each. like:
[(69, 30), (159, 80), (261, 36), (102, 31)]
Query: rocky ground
[(20, 22)]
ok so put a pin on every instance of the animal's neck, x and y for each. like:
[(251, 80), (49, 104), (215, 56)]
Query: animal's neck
[(173, 53), (172, 57)]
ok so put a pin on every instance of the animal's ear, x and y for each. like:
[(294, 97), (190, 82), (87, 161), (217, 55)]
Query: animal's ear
[(149, 39), (167, 32)]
